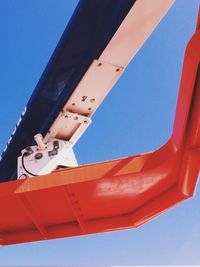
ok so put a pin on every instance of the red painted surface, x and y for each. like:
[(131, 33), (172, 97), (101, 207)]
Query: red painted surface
[(117, 194)]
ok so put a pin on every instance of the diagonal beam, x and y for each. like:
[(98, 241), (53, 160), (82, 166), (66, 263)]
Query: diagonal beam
[(25, 200)]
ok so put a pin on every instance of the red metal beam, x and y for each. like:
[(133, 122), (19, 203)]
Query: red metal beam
[(117, 194)]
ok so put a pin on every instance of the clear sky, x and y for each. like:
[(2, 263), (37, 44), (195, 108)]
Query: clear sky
[(136, 117)]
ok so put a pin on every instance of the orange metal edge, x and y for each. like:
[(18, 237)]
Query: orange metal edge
[(182, 150)]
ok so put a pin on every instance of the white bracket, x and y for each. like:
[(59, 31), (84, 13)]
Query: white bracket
[(76, 115), (35, 161), (68, 126)]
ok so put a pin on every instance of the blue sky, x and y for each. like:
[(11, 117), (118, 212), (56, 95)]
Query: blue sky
[(136, 117)]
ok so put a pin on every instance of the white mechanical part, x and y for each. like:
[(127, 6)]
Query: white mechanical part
[(35, 161), (94, 86)]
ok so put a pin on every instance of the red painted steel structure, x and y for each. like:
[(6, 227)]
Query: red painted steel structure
[(117, 194)]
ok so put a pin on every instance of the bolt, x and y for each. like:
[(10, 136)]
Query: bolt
[(38, 156)]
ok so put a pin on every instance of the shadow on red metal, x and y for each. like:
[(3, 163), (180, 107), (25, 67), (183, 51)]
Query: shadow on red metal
[(117, 194)]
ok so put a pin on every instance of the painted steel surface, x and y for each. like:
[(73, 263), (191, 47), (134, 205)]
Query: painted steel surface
[(117, 194), (63, 72)]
